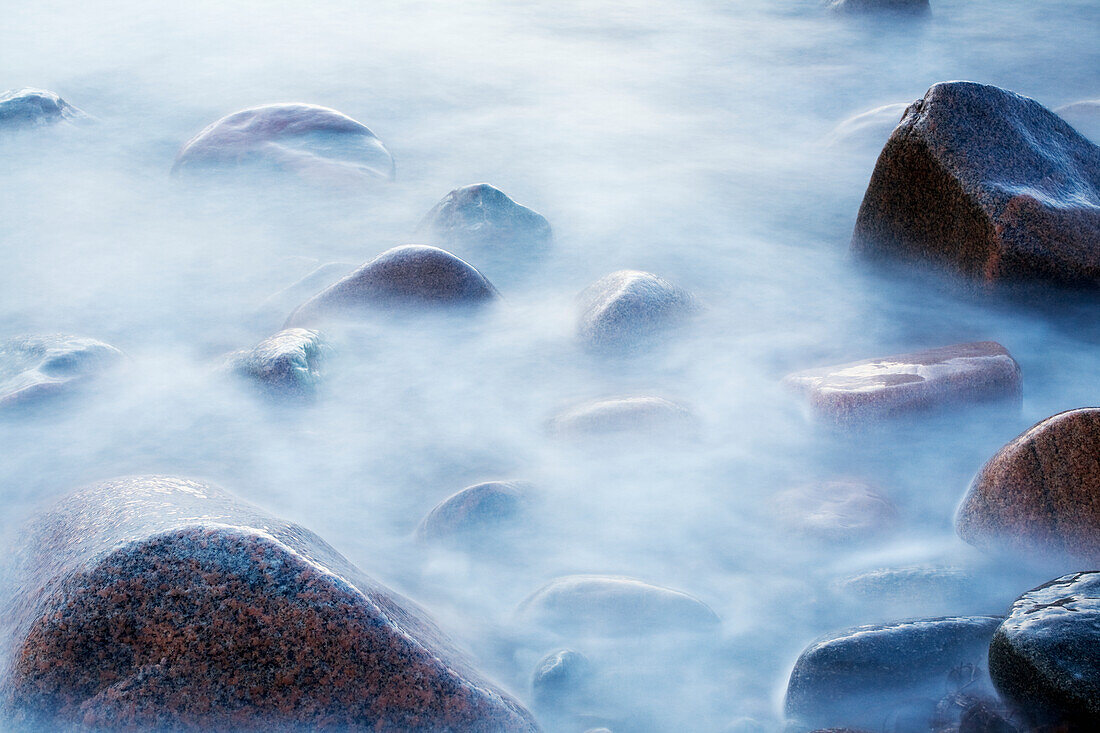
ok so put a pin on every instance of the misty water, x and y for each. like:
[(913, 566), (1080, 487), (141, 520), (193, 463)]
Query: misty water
[(695, 140)]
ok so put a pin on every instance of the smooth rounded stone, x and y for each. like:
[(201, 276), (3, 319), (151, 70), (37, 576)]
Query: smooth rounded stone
[(862, 7), (598, 730), (862, 676), (314, 282), (409, 276), (32, 107), (315, 142), (33, 368), (988, 183), (623, 416), (870, 128), (288, 363), (468, 514), (1084, 116), (483, 219), (559, 676), (1040, 494), (899, 588), (836, 510), (158, 602), (1045, 657), (902, 384), (629, 308), (608, 605)]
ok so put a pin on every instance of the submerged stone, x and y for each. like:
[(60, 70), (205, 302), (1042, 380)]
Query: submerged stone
[(288, 363), (623, 416), (34, 368), (476, 510), (482, 218), (862, 7), (987, 183), (836, 510), (312, 141), (1084, 116), (628, 308), (906, 383), (560, 676), (30, 107), (161, 603), (870, 128)]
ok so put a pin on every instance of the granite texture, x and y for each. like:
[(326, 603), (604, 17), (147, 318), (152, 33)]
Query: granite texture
[(628, 309), (483, 218), (902, 384), (288, 363), (158, 602), (36, 368), (475, 510), (32, 107), (1040, 494), (987, 183)]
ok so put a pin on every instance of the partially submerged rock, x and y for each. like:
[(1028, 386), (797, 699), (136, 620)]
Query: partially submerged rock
[(862, 7), (1084, 116), (987, 183), (482, 218), (906, 383), (870, 128), (157, 602), (560, 676), (629, 308), (295, 294), (861, 676), (316, 142), (1045, 657), (34, 368), (609, 605), (476, 510), (623, 416), (288, 363), (30, 107), (404, 277), (1040, 494), (836, 510)]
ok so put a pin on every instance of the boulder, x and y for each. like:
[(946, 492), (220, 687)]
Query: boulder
[(623, 416), (404, 277), (482, 219), (31, 107), (925, 587), (862, 7), (1045, 657), (35, 368), (906, 383), (987, 183), (312, 141), (1084, 116), (560, 676), (1040, 494), (469, 514), (836, 510), (288, 363), (607, 605), (630, 308), (158, 602), (859, 677)]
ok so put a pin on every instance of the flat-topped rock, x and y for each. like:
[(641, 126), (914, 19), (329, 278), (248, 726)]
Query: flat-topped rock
[(30, 107), (476, 510), (1040, 494), (836, 510), (1045, 657), (630, 308), (870, 7), (288, 363), (158, 602), (623, 416), (905, 383), (986, 183), (312, 141), (483, 219), (35, 368), (407, 277)]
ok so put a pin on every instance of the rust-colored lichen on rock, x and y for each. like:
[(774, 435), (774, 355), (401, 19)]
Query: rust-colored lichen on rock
[(155, 602)]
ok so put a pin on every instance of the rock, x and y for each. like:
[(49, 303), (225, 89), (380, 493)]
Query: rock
[(628, 309), (905, 383), (403, 277), (988, 183), (33, 368), (293, 295), (1084, 116), (560, 675), (860, 7), (316, 142), (872, 127), (475, 510), (30, 107), (482, 219), (158, 602), (288, 363), (1045, 657), (607, 605), (836, 510), (901, 588), (623, 416), (859, 677), (1040, 494)]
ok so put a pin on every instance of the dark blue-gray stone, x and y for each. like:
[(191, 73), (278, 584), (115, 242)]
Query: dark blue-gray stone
[(287, 363), (482, 218), (27, 107), (897, 7), (476, 510)]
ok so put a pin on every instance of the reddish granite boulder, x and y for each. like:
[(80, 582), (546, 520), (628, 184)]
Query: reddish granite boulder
[(1040, 494), (157, 602), (905, 383), (988, 183)]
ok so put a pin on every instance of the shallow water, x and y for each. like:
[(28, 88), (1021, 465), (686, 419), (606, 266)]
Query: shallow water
[(688, 140)]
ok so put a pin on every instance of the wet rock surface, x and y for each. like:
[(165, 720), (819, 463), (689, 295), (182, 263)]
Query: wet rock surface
[(608, 605), (1045, 657), (158, 602), (1040, 494), (987, 183), (863, 7), (906, 383), (31, 107), (836, 510), (483, 219), (466, 516), (629, 309), (867, 675), (624, 416), (288, 363), (560, 676), (405, 277), (36, 368), (315, 142)]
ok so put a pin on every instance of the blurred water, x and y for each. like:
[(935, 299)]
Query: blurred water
[(687, 139)]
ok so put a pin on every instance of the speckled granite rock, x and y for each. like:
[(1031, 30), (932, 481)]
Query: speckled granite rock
[(906, 383), (463, 516), (559, 676), (609, 605), (160, 602), (988, 183), (34, 368), (1084, 116), (403, 277), (288, 363), (316, 142), (623, 416), (1040, 494), (629, 308), (30, 107), (1045, 657), (836, 510), (861, 676), (481, 218), (862, 7)]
